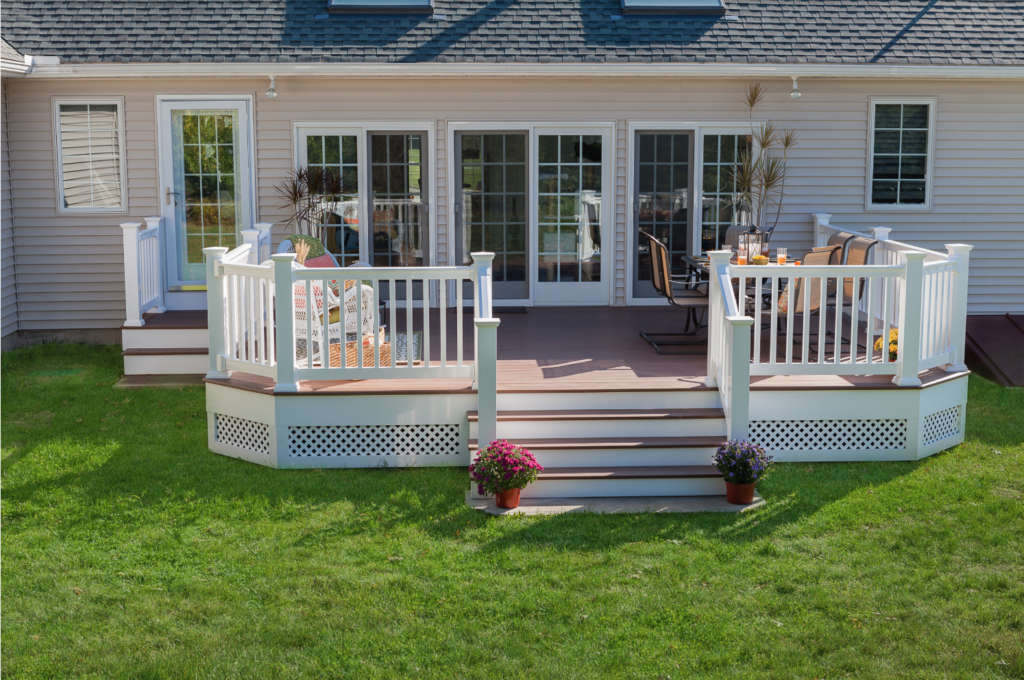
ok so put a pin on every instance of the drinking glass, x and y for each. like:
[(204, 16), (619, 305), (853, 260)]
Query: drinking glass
[(741, 251), (780, 255)]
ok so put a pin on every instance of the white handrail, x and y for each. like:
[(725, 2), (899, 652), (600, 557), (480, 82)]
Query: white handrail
[(143, 270), (728, 348)]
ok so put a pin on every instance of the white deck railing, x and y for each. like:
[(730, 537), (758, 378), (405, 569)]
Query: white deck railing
[(254, 328), (143, 269)]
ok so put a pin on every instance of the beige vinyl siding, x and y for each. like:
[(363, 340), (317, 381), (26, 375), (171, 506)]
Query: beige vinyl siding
[(70, 266), (8, 280)]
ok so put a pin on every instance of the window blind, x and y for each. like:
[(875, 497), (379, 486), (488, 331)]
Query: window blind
[(90, 147)]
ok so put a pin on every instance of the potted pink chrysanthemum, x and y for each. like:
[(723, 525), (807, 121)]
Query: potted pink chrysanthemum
[(504, 470)]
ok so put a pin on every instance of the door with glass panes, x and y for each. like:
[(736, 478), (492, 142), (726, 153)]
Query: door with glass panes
[(206, 177), (491, 207), (572, 186)]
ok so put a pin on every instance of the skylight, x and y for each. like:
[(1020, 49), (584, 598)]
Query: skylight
[(674, 6), (373, 6)]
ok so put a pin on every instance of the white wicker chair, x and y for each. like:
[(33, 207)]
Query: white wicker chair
[(314, 344)]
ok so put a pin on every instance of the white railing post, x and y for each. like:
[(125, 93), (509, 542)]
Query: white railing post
[(958, 308), (284, 310), (739, 376), (252, 237), (157, 223), (215, 312), (820, 235), (716, 310), (264, 229), (130, 237), (909, 343), (486, 359)]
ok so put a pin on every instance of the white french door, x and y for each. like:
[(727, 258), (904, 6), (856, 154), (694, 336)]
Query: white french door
[(205, 182), (572, 212)]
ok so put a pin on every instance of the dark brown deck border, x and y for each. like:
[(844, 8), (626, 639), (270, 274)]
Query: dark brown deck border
[(638, 443)]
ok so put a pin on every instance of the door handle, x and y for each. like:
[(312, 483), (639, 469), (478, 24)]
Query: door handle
[(169, 194)]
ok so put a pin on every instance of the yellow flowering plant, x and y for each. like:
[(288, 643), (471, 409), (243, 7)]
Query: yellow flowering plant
[(894, 336)]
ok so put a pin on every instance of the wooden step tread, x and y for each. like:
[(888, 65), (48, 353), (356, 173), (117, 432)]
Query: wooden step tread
[(631, 472), (163, 351), (615, 443), (608, 414)]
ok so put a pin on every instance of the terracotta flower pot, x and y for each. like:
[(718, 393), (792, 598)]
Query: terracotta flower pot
[(507, 499), (739, 494)]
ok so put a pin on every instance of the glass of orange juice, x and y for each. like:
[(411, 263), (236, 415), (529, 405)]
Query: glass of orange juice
[(780, 255)]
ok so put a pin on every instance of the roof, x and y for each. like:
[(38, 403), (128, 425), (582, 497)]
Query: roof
[(953, 32), (8, 53)]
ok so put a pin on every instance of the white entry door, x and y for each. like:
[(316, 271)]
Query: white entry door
[(572, 191), (205, 182)]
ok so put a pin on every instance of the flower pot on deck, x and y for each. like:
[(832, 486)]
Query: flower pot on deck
[(507, 499), (739, 494)]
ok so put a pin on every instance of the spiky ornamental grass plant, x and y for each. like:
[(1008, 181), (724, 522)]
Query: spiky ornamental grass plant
[(741, 462), (311, 193), (761, 174), (502, 467)]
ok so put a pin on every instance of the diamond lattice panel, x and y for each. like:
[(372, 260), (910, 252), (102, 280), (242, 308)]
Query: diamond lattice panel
[(373, 440), (245, 434), (940, 425), (829, 435)]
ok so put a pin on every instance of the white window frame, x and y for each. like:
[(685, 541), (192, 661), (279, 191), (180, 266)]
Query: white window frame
[(59, 156), (699, 129), (869, 205)]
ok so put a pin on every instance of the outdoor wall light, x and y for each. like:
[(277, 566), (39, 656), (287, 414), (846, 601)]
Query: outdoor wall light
[(795, 94), (272, 92)]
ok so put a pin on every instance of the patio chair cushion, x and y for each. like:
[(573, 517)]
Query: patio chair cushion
[(815, 257)]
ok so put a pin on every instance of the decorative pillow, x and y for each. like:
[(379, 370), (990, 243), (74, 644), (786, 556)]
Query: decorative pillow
[(316, 249), (322, 262)]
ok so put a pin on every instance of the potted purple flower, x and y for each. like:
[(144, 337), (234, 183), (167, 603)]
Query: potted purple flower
[(742, 464), (504, 470)]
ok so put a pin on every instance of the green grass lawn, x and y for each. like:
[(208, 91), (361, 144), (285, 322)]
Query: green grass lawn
[(130, 550)]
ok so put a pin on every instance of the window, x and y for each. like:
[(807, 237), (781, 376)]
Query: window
[(421, 6), (90, 156), (722, 156), (901, 144)]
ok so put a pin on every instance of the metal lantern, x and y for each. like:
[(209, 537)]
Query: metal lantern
[(756, 244)]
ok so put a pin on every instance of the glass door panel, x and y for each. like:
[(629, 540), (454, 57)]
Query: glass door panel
[(491, 207), (572, 206), (722, 155), (661, 202), (398, 188), (205, 196), (338, 154)]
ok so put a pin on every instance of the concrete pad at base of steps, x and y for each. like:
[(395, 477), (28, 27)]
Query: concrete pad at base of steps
[(627, 504), (170, 380)]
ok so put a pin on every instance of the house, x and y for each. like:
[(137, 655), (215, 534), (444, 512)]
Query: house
[(543, 137)]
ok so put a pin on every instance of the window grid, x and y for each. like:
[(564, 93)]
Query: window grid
[(494, 201), (90, 176), (569, 207), (722, 155), (900, 158), (339, 154), (208, 181), (663, 180), (396, 175)]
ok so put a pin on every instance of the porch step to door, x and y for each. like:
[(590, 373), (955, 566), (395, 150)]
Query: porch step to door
[(174, 342), (619, 481), (166, 360), (580, 454), (605, 423)]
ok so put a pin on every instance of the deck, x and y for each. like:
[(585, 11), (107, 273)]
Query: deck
[(578, 349)]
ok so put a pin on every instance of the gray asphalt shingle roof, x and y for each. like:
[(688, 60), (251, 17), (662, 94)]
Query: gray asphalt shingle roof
[(785, 31)]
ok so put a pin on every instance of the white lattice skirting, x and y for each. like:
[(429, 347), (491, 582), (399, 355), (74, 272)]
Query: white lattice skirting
[(243, 434), (941, 425), (374, 440), (829, 435)]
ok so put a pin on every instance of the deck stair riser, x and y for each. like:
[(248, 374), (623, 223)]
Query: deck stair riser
[(641, 399), (165, 361), (148, 338), (517, 425), (618, 488), (653, 451)]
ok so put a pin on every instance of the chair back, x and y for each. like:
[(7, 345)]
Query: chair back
[(858, 252), (659, 267), (732, 236), (814, 258), (841, 239)]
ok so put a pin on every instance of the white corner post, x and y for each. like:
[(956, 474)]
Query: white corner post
[(130, 237), (215, 313), (264, 229), (486, 360), (958, 309), (252, 237), (716, 310), (909, 343), (157, 223), (820, 222), (739, 407), (284, 311)]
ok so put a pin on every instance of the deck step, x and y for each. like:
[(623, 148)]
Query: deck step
[(632, 472), (610, 481), (617, 443), (166, 360), (607, 414)]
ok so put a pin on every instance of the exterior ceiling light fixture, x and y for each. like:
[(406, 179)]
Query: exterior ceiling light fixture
[(795, 94), (272, 92)]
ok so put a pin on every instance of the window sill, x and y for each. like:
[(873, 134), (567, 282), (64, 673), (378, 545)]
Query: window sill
[(896, 207)]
